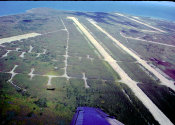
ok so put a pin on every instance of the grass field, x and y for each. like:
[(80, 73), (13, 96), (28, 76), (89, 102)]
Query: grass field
[(134, 70), (68, 95), (34, 104)]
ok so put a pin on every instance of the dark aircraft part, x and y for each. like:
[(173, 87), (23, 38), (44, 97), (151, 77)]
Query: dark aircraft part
[(92, 116), (51, 89)]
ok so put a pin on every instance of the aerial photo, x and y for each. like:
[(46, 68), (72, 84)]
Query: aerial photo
[(105, 64)]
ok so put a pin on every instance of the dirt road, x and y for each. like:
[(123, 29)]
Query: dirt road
[(85, 81), (30, 50), (157, 114), (66, 53), (127, 37)]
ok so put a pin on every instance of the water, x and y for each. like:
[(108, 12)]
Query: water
[(162, 10)]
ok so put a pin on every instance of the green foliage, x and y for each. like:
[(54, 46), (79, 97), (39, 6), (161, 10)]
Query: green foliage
[(41, 102), (58, 107)]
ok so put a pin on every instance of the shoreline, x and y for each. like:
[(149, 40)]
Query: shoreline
[(128, 14), (12, 14)]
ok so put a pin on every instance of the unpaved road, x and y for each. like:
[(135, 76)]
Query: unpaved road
[(30, 50), (22, 54), (66, 53), (50, 79), (31, 73), (141, 23), (163, 80), (157, 114), (38, 54), (85, 81), (5, 55), (53, 31), (44, 51), (13, 75), (19, 37), (146, 40)]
